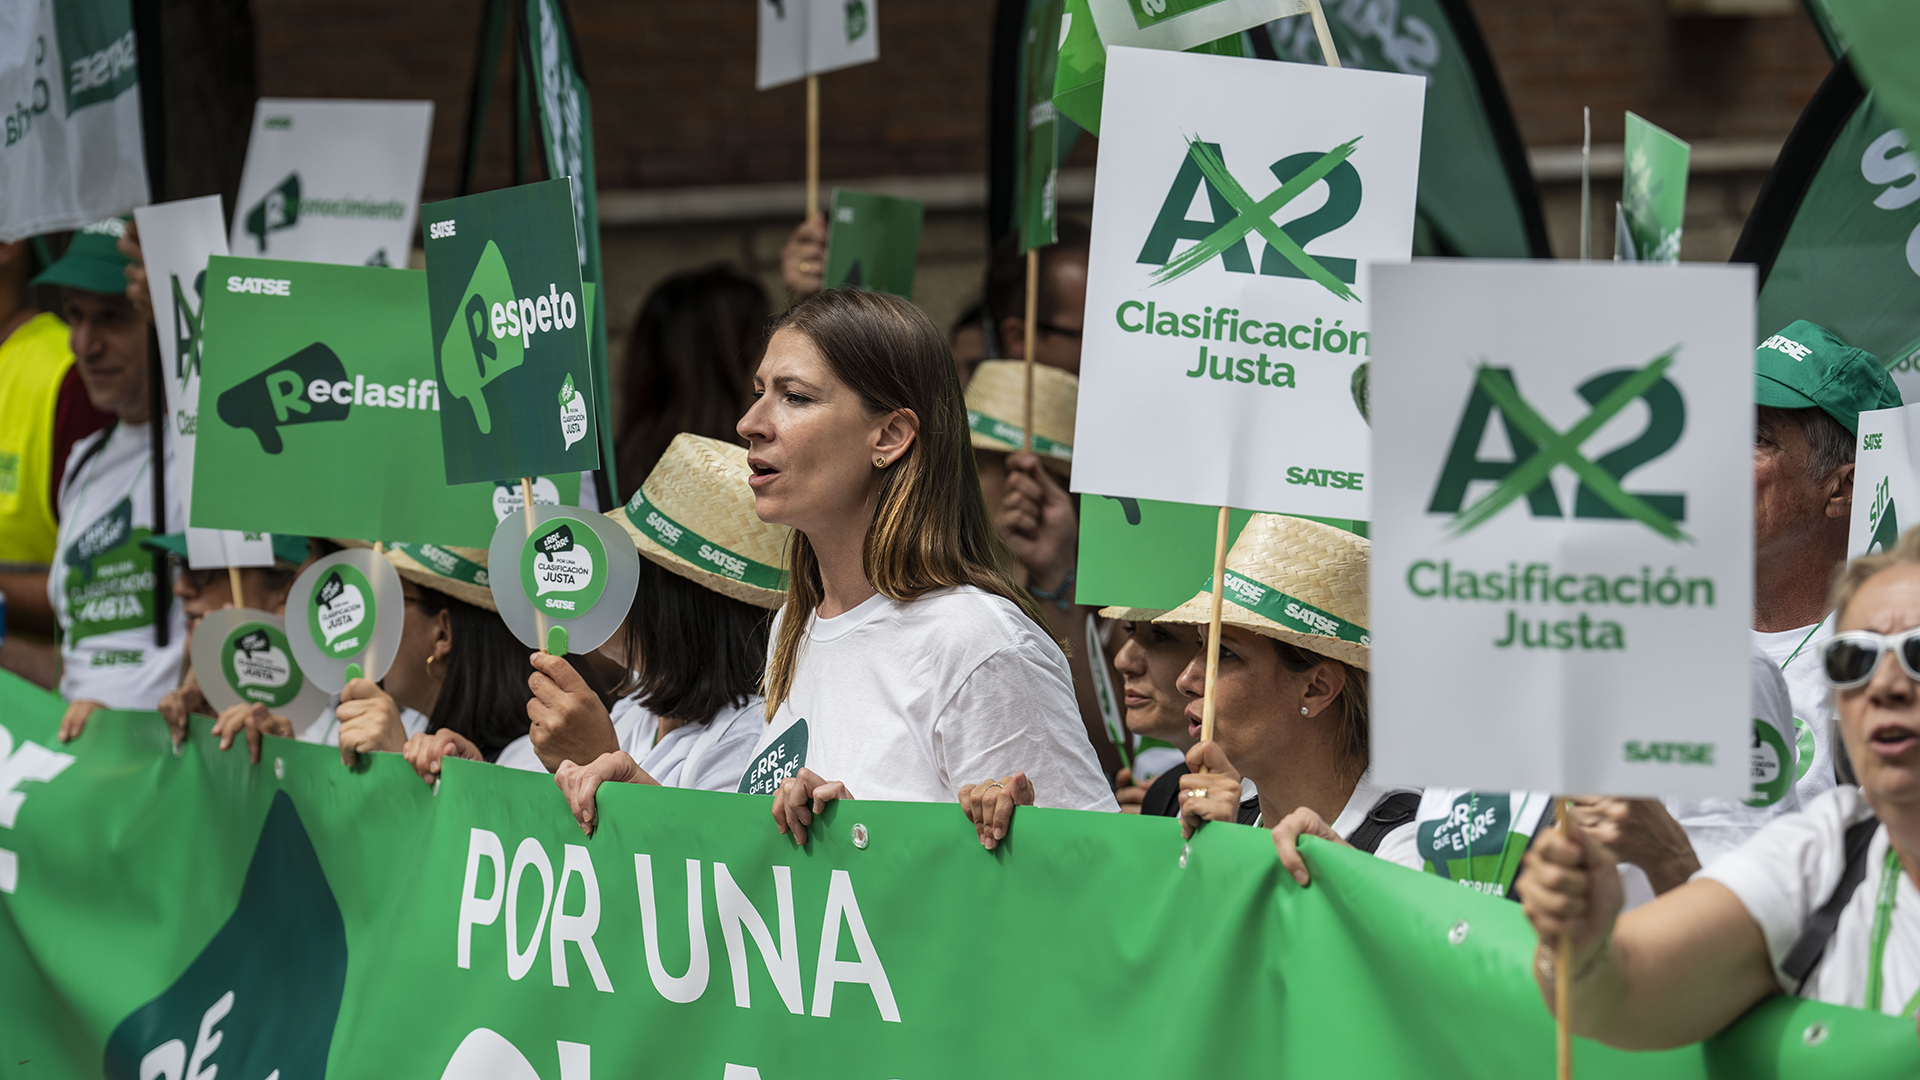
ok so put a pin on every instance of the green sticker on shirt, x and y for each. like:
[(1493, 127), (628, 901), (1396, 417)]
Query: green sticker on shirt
[(1476, 843), (340, 613), (109, 580), (1770, 766), (778, 763), (563, 568), (258, 665), (1803, 741)]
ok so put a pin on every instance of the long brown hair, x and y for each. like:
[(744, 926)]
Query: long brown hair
[(930, 527)]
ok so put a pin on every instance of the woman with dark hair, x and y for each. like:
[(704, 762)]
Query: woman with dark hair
[(693, 642), (905, 660), (458, 667), (689, 363)]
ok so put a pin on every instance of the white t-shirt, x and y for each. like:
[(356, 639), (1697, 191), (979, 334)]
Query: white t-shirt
[(102, 580), (1477, 838), (325, 730), (1789, 869), (1398, 845), (1797, 654), (1718, 826), (912, 701), (719, 749)]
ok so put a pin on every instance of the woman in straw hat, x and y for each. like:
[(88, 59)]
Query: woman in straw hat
[(1290, 698), (905, 661), (694, 641)]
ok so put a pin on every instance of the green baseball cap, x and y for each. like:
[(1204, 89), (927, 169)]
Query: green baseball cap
[(293, 550), (93, 262), (1806, 367)]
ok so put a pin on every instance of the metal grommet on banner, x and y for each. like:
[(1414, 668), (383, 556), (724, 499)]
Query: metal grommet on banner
[(1185, 850), (1814, 1035), (279, 768), (860, 836), (1459, 932)]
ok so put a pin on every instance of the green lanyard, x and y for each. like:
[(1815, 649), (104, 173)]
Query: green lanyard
[(1803, 642), (1882, 923)]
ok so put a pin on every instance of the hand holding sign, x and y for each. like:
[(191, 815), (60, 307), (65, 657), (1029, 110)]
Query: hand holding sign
[(242, 657), (566, 567)]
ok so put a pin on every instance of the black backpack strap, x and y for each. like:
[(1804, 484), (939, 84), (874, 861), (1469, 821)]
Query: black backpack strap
[(1812, 944), (1163, 795), (1249, 811), (1388, 814)]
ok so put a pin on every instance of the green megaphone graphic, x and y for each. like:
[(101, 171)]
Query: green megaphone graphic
[(470, 356)]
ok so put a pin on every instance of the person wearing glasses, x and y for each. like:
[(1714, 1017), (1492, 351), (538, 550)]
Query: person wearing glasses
[(1821, 904), (1061, 307)]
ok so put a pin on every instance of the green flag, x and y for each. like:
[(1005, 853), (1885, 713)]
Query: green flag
[(321, 410), (1476, 197), (564, 111), (1653, 197), (1881, 36), (1835, 232), (1039, 144), (1084, 34), (873, 242), (510, 326), (158, 911)]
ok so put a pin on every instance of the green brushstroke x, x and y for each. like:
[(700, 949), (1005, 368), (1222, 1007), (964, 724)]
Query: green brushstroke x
[(1564, 449), (1251, 216)]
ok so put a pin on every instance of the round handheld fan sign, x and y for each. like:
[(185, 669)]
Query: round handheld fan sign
[(573, 573), (345, 615), (242, 657)]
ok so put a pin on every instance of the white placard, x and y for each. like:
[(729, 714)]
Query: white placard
[(332, 181), (806, 37), (1562, 570), (1243, 365), (1886, 482), (1158, 24), (175, 240)]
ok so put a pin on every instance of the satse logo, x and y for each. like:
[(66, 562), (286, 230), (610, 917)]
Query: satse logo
[(1538, 448), (1235, 213)]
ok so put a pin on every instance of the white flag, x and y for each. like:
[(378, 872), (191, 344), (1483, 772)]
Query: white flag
[(72, 153)]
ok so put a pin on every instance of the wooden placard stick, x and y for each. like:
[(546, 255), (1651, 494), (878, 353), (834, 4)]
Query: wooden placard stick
[(1213, 624), (1563, 978), (1324, 33), (1027, 347), (358, 671), (233, 581), (813, 147), (526, 504)]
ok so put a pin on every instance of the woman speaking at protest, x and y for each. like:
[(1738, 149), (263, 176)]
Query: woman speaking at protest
[(1821, 904), (905, 661), (695, 641)]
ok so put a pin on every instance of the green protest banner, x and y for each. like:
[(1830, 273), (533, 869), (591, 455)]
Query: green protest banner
[(1835, 233), (321, 410), (159, 910), (509, 344), (564, 113), (1476, 197), (1089, 27), (1653, 195), (873, 242)]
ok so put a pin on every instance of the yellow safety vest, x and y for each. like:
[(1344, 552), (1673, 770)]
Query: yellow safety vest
[(33, 363)]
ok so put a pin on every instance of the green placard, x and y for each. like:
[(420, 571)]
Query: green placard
[(1653, 196), (563, 568), (873, 242), (510, 325), (259, 666), (319, 413), (1148, 554), (340, 613)]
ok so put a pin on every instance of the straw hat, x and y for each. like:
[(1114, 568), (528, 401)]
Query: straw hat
[(460, 572), (1296, 581), (996, 407), (694, 516), (1132, 614)]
